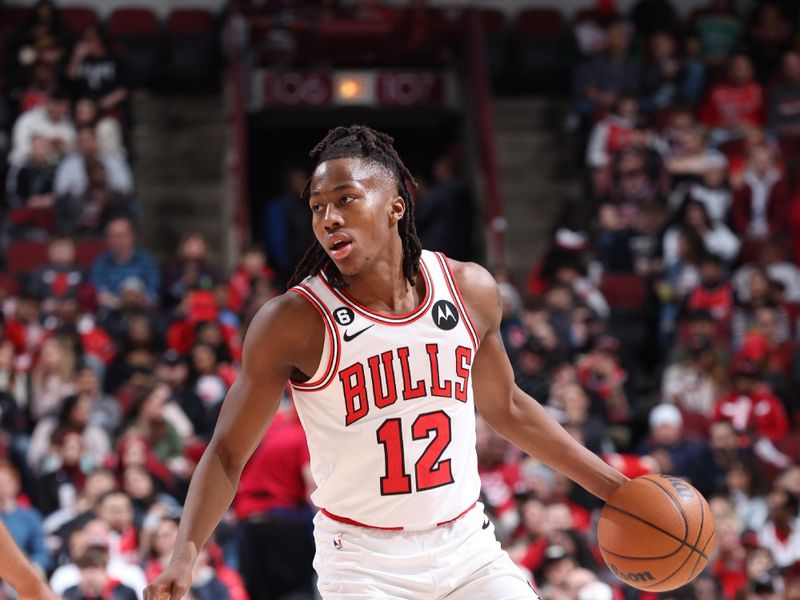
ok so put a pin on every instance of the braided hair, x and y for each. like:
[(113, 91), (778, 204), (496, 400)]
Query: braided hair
[(360, 141)]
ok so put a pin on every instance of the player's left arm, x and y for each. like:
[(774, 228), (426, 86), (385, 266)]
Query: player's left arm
[(510, 411), (20, 572)]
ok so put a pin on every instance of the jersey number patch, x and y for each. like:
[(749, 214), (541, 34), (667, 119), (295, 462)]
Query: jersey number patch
[(429, 471)]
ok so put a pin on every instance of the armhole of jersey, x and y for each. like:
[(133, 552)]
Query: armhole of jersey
[(455, 292), (329, 360)]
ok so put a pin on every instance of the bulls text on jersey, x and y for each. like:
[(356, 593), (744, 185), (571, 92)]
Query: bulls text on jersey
[(383, 387)]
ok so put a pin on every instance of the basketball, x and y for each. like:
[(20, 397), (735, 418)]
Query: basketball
[(656, 533)]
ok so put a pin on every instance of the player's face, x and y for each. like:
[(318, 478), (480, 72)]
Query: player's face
[(355, 208)]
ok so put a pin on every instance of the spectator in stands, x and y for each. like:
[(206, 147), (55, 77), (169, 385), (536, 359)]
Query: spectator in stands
[(73, 175), (96, 73), (689, 154), (759, 295), (138, 349), (666, 77), (159, 422), (719, 31), (600, 81), (735, 104), (107, 129), (74, 416), (122, 261), (94, 533), (31, 183), (59, 278), (252, 269), (52, 377), (695, 383), (745, 487), (173, 370), (88, 213), (443, 210), (712, 191), (780, 535), (783, 117), (637, 180), (190, 270), (286, 230), (752, 409), (761, 203), (50, 121), (275, 548), (773, 258), (717, 238), (94, 580), (729, 566), (24, 524), (676, 454), (610, 135), (770, 35)]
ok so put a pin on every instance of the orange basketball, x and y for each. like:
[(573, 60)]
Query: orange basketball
[(656, 533)]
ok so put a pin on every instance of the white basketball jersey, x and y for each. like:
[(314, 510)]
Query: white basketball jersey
[(389, 415)]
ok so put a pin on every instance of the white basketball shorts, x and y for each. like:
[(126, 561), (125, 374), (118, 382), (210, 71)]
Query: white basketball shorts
[(460, 560)]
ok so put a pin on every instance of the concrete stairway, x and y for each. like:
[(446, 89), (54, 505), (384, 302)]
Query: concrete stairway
[(538, 177), (179, 168)]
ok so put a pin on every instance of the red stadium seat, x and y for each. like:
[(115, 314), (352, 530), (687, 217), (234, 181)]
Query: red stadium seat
[(190, 21), (136, 40), (136, 21), (624, 291), (11, 17), (493, 21), (540, 35), (86, 252), (24, 256), (193, 46), (41, 218), (78, 18), (9, 286), (540, 21)]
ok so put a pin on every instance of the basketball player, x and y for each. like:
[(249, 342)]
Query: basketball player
[(385, 346), (19, 572)]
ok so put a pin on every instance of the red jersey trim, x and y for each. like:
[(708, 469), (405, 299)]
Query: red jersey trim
[(382, 318), (333, 359), (455, 291), (359, 524)]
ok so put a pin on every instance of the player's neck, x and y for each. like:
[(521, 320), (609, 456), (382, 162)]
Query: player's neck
[(384, 287)]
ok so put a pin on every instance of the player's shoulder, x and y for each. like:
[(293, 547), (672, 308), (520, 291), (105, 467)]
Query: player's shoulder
[(285, 318), (474, 281), (479, 291)]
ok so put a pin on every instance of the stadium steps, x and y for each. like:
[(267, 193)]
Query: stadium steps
[(180, 150), (538, 178)]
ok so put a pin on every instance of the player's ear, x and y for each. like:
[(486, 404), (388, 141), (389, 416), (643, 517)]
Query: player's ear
[(397, 208)]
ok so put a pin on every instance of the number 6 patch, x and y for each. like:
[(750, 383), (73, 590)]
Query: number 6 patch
[(343, 315)]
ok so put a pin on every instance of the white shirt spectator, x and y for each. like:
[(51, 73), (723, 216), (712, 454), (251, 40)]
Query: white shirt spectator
[(72, 179), (69, 575), (38, 122), (785, 272)]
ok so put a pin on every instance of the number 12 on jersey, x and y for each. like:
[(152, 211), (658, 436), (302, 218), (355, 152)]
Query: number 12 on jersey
[(429, 471)]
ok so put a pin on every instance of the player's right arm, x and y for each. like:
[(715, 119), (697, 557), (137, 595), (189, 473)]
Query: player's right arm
[(19, 572), (284, 335)]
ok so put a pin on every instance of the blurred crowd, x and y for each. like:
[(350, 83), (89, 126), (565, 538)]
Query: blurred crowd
[(663, 334)]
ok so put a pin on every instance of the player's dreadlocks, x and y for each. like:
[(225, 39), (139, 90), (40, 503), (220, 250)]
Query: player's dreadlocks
[(360, 141)]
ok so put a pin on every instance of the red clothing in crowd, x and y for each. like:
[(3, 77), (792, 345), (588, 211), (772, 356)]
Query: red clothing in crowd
[(241, 285), (717, 300), (760, 411), (730, 574), (273, 478), (729, 105), (498, 484), (777, 210)]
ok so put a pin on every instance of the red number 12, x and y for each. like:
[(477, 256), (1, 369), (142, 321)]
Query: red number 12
[(429, 470)]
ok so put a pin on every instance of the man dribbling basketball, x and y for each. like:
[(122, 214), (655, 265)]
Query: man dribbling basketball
[(19, 572), (385, 346)]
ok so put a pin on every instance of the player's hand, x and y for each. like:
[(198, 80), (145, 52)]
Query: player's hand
[(172, 584)]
